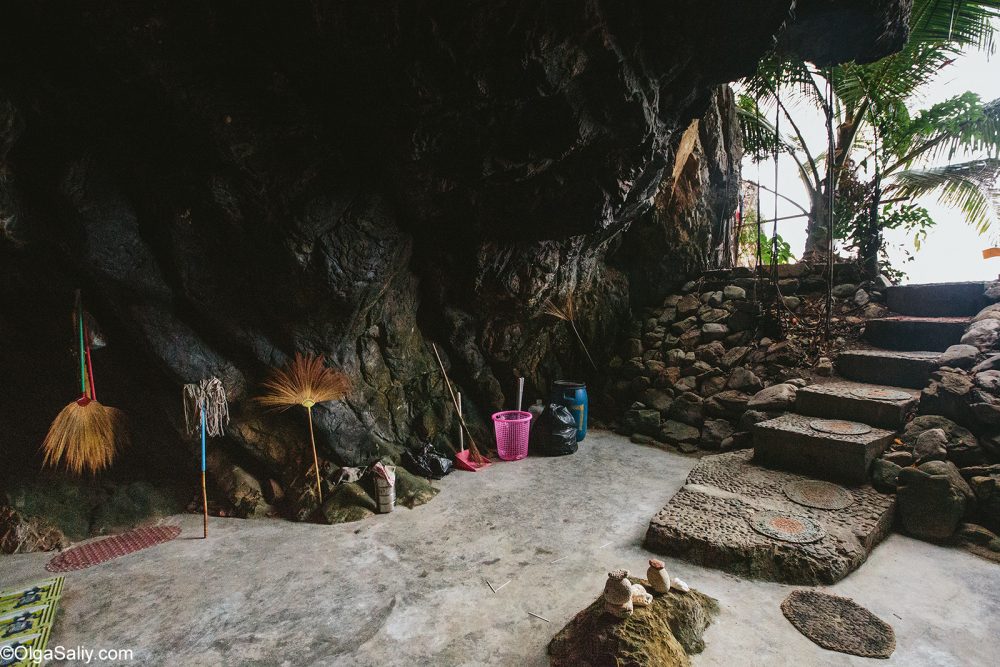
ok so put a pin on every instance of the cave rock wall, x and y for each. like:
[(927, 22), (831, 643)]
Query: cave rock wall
[(232, 182)]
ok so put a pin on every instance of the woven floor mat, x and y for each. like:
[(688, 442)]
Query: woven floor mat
[(94, 553), (839, 624)]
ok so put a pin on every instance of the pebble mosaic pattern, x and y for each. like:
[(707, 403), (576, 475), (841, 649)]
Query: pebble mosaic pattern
[(707, 522)]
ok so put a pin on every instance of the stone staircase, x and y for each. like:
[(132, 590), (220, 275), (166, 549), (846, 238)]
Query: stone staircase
[(835, 432), (926, 321), (864, 413)]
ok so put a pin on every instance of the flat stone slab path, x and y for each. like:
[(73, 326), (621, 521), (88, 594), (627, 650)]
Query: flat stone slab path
[(709, 522)]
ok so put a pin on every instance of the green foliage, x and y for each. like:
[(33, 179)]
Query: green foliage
[(751, 234), (969, 186), (870, 104), (784, 250)]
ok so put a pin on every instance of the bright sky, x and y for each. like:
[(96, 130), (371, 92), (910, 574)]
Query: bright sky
[(952, 250)]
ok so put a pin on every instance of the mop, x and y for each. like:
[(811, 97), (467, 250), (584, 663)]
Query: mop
[(207, 400), (466, 459)]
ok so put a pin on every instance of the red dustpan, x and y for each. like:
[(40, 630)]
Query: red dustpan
[(467, 459), (471, 461)]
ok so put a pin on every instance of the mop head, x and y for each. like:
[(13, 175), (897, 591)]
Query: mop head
[(84, 437)]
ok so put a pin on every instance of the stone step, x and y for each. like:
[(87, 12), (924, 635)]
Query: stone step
[(791, 443), (708, 522), (937, 299), (885, 407), (887, 367), (904, 332)]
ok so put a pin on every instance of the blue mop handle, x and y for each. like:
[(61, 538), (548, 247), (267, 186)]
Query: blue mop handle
[(203, 437)]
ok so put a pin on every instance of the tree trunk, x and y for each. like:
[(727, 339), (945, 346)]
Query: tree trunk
[(817, 237)]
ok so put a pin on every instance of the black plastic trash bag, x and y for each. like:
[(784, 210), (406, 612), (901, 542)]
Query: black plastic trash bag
[(425, 461), (554, 433)]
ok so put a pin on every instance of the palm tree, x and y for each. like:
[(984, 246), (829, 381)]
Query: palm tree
[(873, 129)]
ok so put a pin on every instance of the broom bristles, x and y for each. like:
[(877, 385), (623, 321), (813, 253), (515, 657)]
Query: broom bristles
[(83, 438), (306, 381)]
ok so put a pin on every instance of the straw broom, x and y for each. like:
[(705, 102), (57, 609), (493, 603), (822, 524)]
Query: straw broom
[(306, 382), (474, 455), (85, 435), (568, 314)]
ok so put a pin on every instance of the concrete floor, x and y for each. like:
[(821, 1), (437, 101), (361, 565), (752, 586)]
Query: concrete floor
[(409, 588)]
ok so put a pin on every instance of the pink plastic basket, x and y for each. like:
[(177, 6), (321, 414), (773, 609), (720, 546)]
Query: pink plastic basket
[(512, 427)]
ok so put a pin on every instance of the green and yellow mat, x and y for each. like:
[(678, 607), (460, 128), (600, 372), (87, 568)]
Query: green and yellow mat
[(26, 616)]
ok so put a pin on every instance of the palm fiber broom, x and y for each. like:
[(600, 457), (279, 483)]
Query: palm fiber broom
[(85, 435), (306, 382)]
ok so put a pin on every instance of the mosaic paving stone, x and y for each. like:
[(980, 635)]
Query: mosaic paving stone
[(707, 522), (881, 394), (786, 527), (839, 427), (821, 495), (884, 407)]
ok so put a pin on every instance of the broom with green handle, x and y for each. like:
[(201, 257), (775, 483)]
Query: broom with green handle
[(85, 434)]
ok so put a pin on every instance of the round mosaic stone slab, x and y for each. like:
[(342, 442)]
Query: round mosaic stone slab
[(839, 427), (881, 394), (786, 527), (821, 495)]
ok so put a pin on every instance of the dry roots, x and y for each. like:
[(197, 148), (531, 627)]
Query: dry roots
[(83, 437), (568, 314)]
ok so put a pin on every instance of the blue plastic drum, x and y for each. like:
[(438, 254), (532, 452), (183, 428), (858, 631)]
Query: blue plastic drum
[(574, 396)]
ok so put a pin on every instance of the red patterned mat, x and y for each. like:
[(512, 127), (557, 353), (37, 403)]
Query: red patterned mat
[(112, 547)]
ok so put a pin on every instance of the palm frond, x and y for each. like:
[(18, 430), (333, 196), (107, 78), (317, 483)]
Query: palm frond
[(306, 381), (961, 123), (969, 186), (960, 23)]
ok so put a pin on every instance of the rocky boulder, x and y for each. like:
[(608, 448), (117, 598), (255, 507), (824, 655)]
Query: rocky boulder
[(949, 394), (640, 419), (932, 499), (959, 356), (987, 491), (931, 445), (714, 433), (982, 334), (962, 446), (885, 475), (664, 634), (774, 398)]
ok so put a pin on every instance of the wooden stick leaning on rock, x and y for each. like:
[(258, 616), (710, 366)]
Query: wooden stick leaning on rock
[(472, 441)]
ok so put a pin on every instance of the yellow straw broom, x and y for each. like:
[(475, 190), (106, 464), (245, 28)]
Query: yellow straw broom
[(85, 435)]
